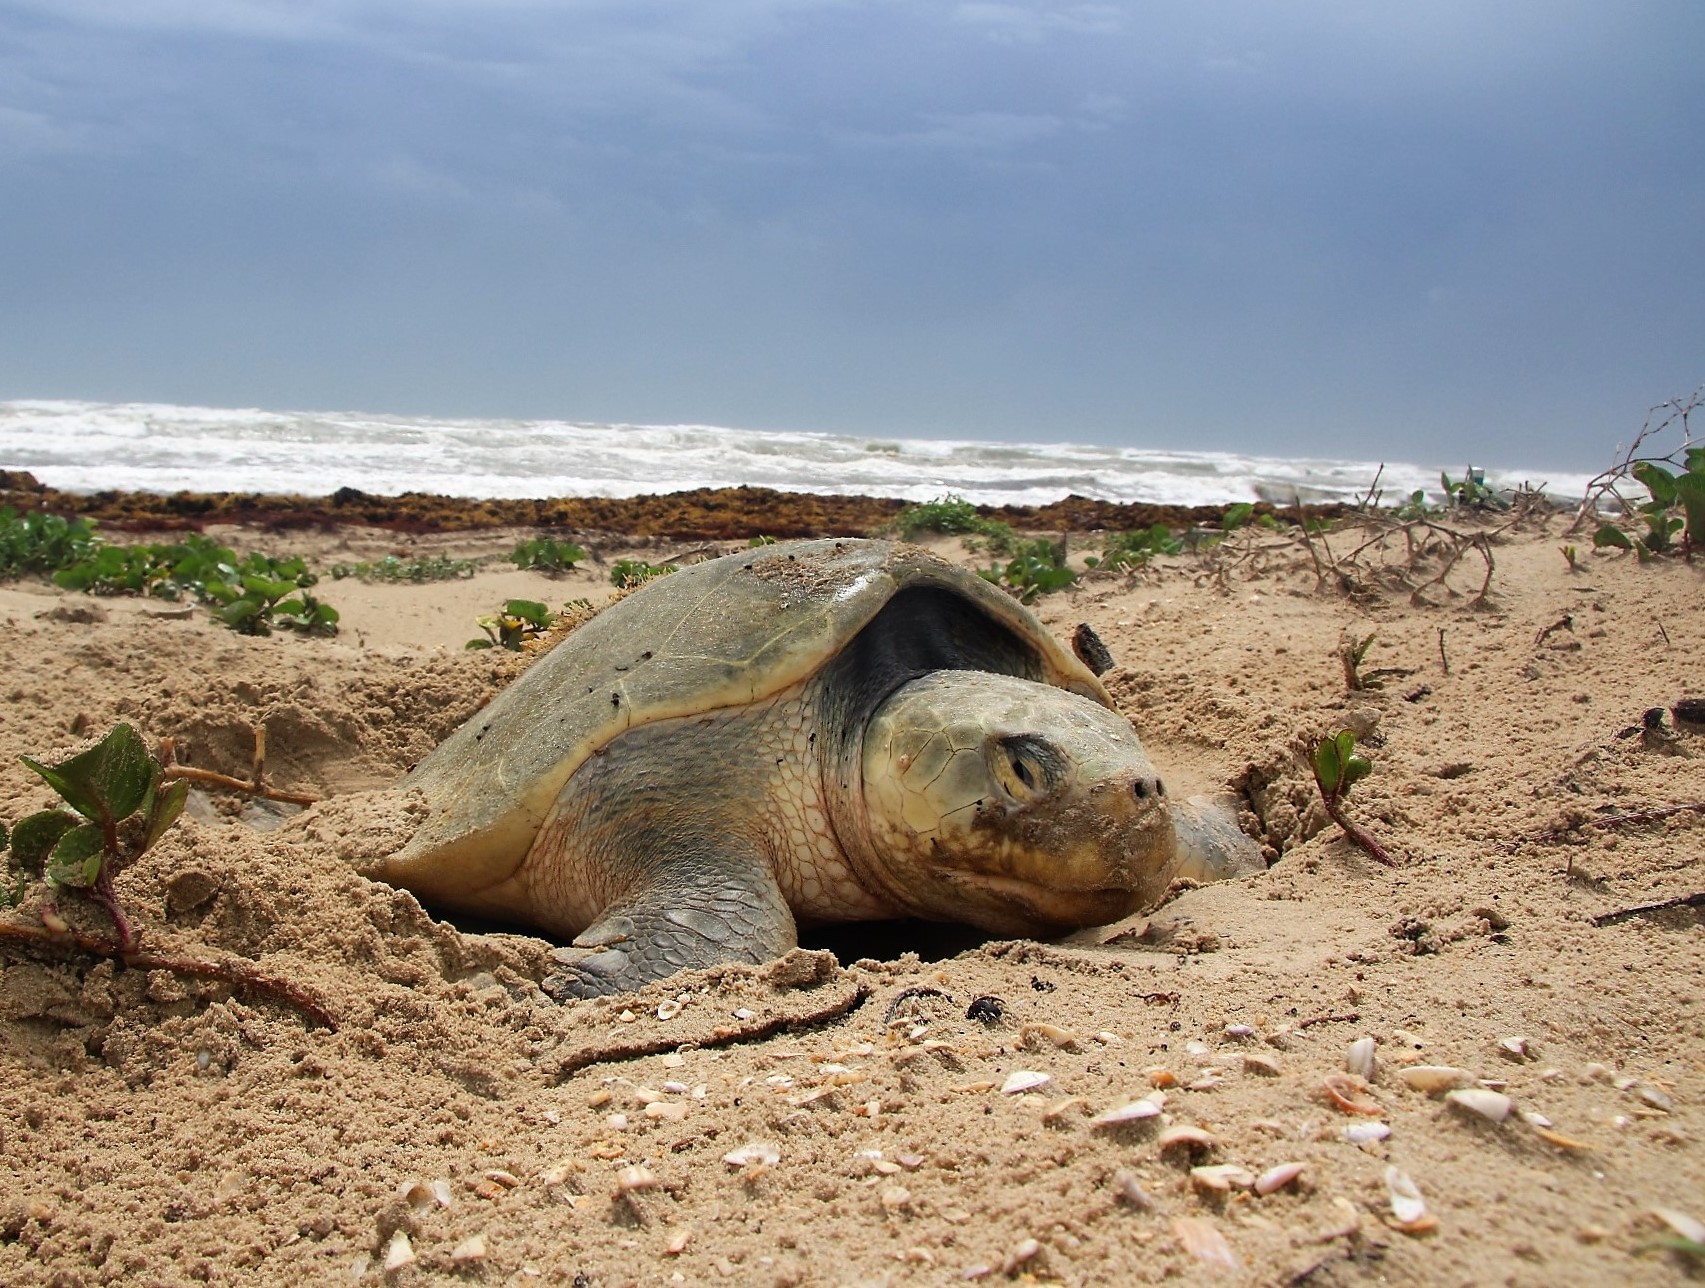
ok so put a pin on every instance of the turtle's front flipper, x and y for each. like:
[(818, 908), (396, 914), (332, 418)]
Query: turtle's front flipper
[(729, 912), (1211, 846)]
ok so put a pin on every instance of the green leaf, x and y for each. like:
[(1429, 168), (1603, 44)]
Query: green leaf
[(479, 644), (1659, 481), (1236, 515), (106, 783), (77, 858), (1609, 534), (34, 837), (528, 610), (166, 807), (3, 836), (1690, 491), (1328, 767)]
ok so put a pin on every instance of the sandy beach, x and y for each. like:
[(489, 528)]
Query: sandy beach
[(805, 1123)]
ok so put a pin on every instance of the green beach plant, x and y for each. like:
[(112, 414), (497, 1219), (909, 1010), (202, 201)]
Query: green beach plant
[(1037, 568), (1338, 766), (544, 554), (393, 569), (626, 573), (39, 542), (1128, 551)]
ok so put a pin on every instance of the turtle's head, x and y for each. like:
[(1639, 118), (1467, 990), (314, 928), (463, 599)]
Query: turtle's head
[(1014, 806)]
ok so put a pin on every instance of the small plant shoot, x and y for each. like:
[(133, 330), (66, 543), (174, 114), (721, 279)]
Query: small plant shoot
[(520, 622), (116, 806), (1338, 766)]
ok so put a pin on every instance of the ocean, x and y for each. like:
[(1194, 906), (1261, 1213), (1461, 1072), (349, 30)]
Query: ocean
[(87, 446)]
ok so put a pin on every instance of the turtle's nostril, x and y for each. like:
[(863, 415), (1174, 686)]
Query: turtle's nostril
[(1143, 788)]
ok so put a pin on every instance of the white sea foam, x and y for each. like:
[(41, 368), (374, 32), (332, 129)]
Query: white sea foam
[(86, 447)]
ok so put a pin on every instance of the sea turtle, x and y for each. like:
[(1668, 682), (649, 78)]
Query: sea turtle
[(833, 730)]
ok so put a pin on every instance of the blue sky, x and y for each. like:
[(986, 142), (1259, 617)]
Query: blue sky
[(1441, 232)]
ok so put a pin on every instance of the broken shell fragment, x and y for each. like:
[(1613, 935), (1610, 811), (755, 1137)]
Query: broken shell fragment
[(1683, 1224), (1184, 1136), (1654, 1097), (669, 1111), (1432, 1078), (668, 1010), (1131, 1191), (1051, 1032), (635, 1176), (469, 1249), (1203, 1241), (399, 1252), (1277, 1177), (1519, 1049), (1221, 1178), (1261, 1065), (1360, 1059), (1136, 1111), (1494, 1106), (1020, 1080), (760, 1153), (1366, 1133), (1347, 1091), (895, 1197)]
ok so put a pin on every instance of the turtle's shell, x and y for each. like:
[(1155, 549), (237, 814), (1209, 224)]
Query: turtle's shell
[(725, 633)]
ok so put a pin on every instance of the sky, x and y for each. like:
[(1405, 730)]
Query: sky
[(1444, 231)]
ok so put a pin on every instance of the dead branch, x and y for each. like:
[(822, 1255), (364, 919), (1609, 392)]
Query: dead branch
[(1647, 909), (239, 974), (1677, 412), (256, 786)]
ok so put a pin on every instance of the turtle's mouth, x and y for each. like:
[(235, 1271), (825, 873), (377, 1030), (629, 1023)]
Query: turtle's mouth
[(1051, 905)]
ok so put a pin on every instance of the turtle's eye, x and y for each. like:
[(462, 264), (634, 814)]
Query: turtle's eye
[(1027, 768)]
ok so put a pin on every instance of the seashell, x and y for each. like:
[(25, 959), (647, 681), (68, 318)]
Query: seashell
[(669, 1111), (677, 1243), (1360, 1059), (673, 1060), (1205, 1083), (1186, 1136), (1240, 1032), (674, 1088), (627, 1017), (1052, 1032), (416, 1195), (668, 1010), (508, 1180), (617, 1122), (979, 1085), (1203, 1241), (1195, 1046), (645, 1095), (1346, 1091), (1261, 1065), (1023, 1080), (555, 1175), (1366, 1133), (1533, 1118), (441, 1193), (744, 1013), (1655, 1097), (1159, 1077), (1277, 1177), (599, 1098), (1596, 1072), (895, 1197), (1060, 1108), (1434, 1077), (1221, 1178), (399, 1252), (1407, 1205), (756, 1152), (1494, 1106), (1108, 1038), (1402, 1037), (635, 1176), (1134, 1112), (469, 1249), (911, 1162), (1518, 1049)]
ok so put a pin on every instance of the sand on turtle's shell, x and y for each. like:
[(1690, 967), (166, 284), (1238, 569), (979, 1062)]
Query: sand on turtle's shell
[(161, 1130)]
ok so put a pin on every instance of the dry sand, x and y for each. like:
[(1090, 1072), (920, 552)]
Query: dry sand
[(158, 1130)]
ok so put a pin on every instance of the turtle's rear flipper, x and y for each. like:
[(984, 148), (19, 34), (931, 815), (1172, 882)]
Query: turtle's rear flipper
[(1211, 846), (729, 913)]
